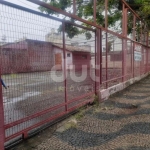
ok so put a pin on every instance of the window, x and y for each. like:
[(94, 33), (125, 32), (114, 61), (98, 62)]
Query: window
[(68, 54), (84, 56)]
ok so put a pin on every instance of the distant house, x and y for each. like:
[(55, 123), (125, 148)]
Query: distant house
[(33, 55)]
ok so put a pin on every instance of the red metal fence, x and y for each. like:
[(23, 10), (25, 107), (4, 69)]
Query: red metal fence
[(43, 68)]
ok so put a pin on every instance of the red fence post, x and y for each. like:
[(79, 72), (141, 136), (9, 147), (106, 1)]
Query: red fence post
[(64, 65), (133, 57), (106, 60), (98, 70), (124, 41), (2, 131), (147, 57)]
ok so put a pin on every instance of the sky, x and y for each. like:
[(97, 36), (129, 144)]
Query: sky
[(24, 3), (17, 24)]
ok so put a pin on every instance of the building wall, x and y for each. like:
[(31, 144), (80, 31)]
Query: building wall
[(81, 58), (69, 60), (40, 56), (14, 60), (36, 56)]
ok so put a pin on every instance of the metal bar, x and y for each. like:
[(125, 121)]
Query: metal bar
[(126, 4), (95, 61), (80, 97), (74, 7), (97, 67), (123, 17), (45, 111), (33, 116), (106, 15), (106, 59), (147, 39), (134, 21), (126, 22), (47, 120), (141, 37), (64, 65), (80, 26), (94, 11), (133, 57), (34, 126), (100, 57), (115, 78), (147, 54), (123, 31), (2, 130)]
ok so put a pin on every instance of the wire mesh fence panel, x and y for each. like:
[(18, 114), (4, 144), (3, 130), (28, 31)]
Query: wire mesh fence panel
[(148, 61), (129, 61), (144, 61), (114, 60), (80, 64), (104, 78), (137, 59), (28, 57)]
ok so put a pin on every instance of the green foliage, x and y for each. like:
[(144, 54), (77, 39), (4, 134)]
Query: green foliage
[(62, 4), (70, 30), (85, 9), (96, 100)]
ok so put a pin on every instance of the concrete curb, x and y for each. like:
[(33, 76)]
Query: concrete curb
[(105, 93)]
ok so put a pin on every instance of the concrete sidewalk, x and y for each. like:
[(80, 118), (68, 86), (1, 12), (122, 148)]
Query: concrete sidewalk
[(121, 123)]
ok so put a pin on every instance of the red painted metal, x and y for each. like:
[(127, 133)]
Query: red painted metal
[(7, 126), (80, 97), (2, 131), (64, 65), (36, 125), (134, 22), (97, 58), (106, 59), (106, 15), (94, 11), (100, 56), (96, 47), (74, 7)]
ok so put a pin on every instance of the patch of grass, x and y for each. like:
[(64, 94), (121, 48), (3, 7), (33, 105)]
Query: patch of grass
[(71, 124), (96, 101), (79, 115)]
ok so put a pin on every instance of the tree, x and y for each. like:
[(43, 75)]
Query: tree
[(85, 9)]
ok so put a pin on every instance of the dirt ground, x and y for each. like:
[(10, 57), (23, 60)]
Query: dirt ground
[(121, 123)]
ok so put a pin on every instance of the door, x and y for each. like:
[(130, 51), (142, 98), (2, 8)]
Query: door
[(58, 61)]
